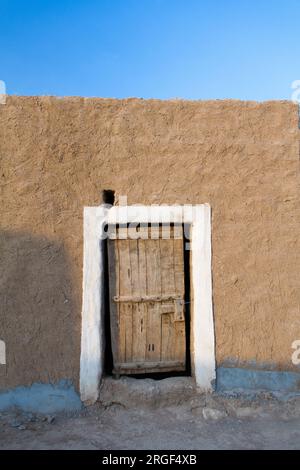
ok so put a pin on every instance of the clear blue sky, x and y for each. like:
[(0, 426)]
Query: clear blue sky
[(247, 49)]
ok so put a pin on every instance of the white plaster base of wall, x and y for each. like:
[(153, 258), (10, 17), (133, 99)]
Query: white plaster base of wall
[(202, 324)]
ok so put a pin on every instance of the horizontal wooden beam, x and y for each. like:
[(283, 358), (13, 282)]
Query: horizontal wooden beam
[(147, 298), (147, 367)]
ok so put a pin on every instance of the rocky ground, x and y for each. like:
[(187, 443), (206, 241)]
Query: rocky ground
[(160, 415)]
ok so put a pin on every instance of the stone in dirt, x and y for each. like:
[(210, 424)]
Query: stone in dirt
[(247, 412), (15, 423), (213, 414), (30, 417), (22, 427)]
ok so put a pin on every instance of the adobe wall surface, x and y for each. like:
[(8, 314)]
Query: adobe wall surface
[(57, 155)]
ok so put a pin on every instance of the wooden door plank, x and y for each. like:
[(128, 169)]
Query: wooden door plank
[(138, 273), (142, 306), (113, 274), (179, 326), (134, 267), (178, 263), (153, 334), (167, 267), (168, 286), (121, 313), (167, 337), (125, 309), (180, 342)]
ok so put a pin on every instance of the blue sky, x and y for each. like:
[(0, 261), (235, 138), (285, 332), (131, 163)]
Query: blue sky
[(244, 49)]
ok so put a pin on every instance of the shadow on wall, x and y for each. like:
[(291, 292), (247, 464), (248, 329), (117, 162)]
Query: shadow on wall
[(38, 318)]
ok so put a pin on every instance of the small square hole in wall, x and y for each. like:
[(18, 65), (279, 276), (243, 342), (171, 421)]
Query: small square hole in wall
[(147, 301), (108, 196)]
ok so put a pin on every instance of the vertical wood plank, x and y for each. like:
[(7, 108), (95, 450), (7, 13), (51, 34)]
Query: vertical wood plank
[(125, 309), (121, 312), (113, 274), (180, 343), (167, 338), (180, 335), (178, 262), (168, 287), (138, 320), (142, 307), (153, 342)]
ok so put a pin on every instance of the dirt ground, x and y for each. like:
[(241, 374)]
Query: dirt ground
[(187, 422)]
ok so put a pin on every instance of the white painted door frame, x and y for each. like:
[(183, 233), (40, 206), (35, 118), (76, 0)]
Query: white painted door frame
[(202, 323)]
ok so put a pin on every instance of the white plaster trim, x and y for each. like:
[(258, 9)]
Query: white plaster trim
[(202, 309), (202, 324), (2, 353), (91, 359)]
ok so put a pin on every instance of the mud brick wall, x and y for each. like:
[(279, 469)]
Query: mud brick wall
[(57, 155)]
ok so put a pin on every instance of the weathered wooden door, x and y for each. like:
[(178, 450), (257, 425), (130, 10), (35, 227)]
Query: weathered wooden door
[(147, 315)]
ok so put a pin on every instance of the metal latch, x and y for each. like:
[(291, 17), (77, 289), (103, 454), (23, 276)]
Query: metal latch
[(179, 310), (175, 308)]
